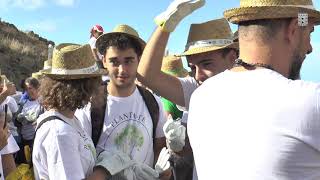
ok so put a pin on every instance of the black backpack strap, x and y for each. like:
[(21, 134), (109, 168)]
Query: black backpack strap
[(49, 118), (152, 105), (97, 113)]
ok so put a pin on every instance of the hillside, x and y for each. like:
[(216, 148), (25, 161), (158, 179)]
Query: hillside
[(21, 53)]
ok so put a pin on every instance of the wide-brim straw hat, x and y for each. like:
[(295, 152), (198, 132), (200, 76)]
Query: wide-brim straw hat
[(173, 65), (271, 9), (119, 29), (209, 36), (73, 61), (37, 75), (47, 64)]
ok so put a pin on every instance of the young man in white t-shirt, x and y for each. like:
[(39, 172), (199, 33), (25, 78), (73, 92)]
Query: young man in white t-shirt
[(128, 125), (257, 121)]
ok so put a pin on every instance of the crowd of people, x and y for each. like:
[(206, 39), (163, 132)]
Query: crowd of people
[(122, 108)]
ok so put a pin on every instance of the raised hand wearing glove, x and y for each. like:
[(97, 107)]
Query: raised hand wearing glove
[(114, 161), (175, 134), (177, 10)]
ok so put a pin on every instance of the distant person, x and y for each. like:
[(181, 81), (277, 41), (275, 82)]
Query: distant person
[(27, 114), (24, 95), (95, 32), (172, 65)]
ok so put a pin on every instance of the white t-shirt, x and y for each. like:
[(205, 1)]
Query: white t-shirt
[(12, 104), (255, 125), (12, 108), (92, 43), (189, 85), (129, 127), (10, 148), (62, 150)]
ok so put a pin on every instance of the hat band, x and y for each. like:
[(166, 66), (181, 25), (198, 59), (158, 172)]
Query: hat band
[(87, 70), (207, 43)]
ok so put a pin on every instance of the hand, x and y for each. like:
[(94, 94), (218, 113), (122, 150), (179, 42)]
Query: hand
[(8, 88), (113, 161), (139, 171), (4, 135), (178, 9), (163, 163), (175, 134)]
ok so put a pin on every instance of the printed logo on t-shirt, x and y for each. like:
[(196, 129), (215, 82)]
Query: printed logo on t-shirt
[(129, 133)]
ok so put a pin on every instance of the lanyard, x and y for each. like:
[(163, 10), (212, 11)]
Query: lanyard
[(240, 62)]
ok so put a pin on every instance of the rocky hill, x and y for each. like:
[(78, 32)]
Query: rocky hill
[(21, 53)]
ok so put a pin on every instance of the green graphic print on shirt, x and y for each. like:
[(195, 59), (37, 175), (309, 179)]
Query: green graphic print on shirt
[(129, 139)]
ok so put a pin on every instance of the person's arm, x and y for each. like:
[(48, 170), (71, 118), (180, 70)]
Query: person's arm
[(149, 70), (8, 163), (8, 90), (95, 55)]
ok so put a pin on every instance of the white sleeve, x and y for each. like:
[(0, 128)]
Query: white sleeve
[(184, 118), (64, 160), (189, 85), (92, 43), (162, 119), (12, 104), (11, 147), (83, 115)]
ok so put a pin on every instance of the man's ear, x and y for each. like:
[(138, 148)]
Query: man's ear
[(291, 30), (104, 61)]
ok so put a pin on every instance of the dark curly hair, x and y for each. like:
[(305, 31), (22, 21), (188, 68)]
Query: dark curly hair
[(122, 42), (67, 94)]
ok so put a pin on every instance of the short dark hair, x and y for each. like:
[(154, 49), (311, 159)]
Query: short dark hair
[(226, 51), (67, 94), (266, 28), (123, 42), (33, 82)]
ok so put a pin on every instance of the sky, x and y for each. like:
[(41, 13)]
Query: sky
[(70, 21)]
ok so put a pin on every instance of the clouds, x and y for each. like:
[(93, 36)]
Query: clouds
[(43, 26), (34, 4)]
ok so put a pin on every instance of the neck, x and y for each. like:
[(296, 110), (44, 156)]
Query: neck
[(67, 113), (268, 53), (117, 91)]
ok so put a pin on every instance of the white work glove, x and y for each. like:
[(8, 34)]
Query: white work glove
[(177, 10), (163, 163), (175, 134), (138, 171), (114, 161)]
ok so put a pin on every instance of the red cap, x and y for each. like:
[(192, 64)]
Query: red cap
[(97, 28)]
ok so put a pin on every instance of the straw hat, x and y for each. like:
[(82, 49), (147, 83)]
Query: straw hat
[(73, 61), (173, 65), (119, 29), (37, 75), (47, 64), (209, 36), (271, 9)]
